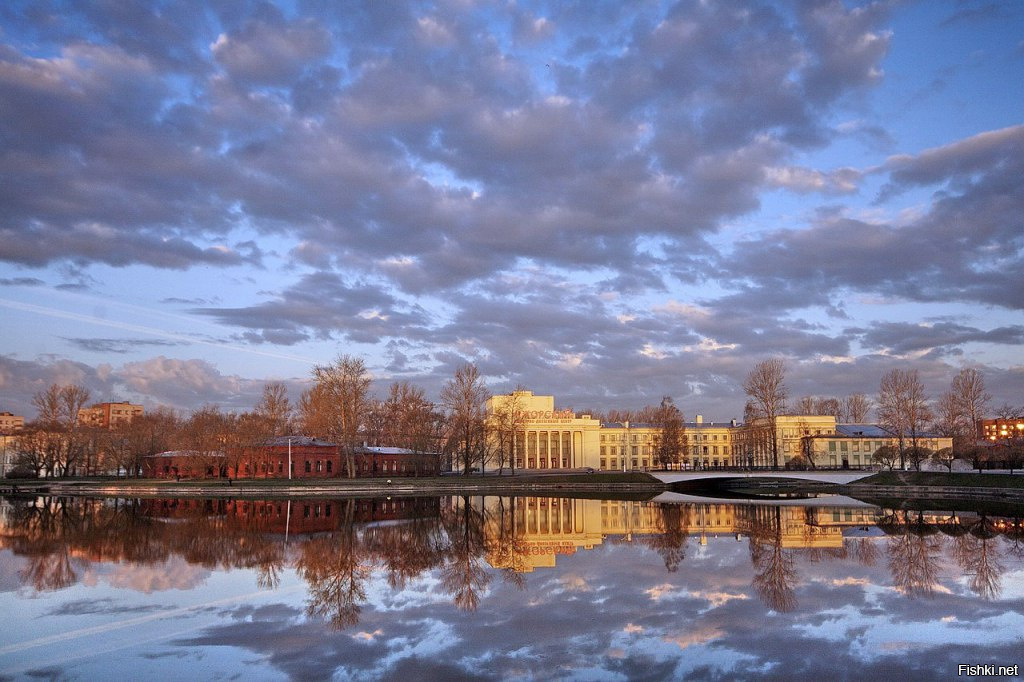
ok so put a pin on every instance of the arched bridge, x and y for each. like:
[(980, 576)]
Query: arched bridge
[(817, 476)]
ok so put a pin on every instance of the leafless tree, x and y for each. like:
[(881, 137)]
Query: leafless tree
[(856, 407), (767, 389), (67, 439), (903, 408), (275, 408), (463, 398), (670, 437), (505, 425), (1008, 411), (335, 407), (970, 397)]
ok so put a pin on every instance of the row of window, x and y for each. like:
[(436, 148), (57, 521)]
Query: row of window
[(637, 451), (648, 437)]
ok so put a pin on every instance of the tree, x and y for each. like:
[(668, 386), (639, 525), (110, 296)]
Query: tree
[(670, 438), (337, 404), (505, 425), (203, 435), (856, 407), (767, 389), (463, 397), (903, 407), (970, 398), (66, 439), (887, 456), (275, 409)]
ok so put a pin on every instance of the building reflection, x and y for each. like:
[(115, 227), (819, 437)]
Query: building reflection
[(338, 545)]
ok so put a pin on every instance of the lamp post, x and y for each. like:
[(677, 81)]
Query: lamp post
[(289, 460)]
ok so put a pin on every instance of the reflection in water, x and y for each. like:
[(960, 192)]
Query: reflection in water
[(342, 550)]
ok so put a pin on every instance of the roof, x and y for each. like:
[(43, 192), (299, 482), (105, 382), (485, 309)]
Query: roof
[(306, 441), (875, 431), (187, 453), (385, 450), (862, 431)]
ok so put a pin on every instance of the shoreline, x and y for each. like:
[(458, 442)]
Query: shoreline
[(910, 486)]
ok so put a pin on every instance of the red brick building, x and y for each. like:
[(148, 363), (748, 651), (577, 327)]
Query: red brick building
[(301, 456)]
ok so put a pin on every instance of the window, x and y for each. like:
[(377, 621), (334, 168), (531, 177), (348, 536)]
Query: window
[(330, 468), (309, 467), (319, 465)]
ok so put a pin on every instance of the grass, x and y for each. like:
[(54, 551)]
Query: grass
[(941, 478)]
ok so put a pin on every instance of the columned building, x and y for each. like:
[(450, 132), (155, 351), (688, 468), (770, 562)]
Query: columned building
[(542, 437)]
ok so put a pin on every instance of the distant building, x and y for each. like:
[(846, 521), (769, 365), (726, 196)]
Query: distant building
[(109, 415), (292, 457), (8, 453), (855, 445), (10, 423), (1001, 429)]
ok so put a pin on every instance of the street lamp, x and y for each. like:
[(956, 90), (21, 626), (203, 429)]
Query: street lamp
[(289, 458)]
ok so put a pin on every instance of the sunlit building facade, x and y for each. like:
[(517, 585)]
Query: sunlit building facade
[(1001, 429), (109, 415)]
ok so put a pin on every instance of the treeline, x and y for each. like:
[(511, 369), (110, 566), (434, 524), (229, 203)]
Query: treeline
[(903, 407), (337, 408)]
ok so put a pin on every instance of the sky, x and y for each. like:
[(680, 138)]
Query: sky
[(606, 202)]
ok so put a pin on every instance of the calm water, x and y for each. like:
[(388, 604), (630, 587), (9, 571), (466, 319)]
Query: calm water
[(489, 587)]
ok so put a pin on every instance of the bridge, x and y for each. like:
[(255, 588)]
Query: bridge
[(839, 477), (816, 476)]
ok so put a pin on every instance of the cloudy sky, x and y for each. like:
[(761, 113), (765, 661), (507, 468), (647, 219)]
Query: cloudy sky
[(608, 202)]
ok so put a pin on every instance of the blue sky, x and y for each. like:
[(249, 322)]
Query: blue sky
[(606, 202)]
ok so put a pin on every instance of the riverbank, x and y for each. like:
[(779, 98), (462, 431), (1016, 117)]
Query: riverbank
[(886, 487), (640, 485)]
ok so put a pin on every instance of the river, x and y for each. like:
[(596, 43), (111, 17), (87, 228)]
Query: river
[(504, 588)]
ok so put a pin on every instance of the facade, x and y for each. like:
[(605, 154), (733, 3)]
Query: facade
[(546, 438), (1001, 429), (11, 423), (291, 457), (8, 453), (109, 415), (854, 445), (628, 446)]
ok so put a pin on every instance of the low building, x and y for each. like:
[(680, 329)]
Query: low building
[(292, 457), (854, 445), (109, 415), (180, 464)]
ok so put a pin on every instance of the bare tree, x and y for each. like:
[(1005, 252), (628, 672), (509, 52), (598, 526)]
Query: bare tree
[(336, 406), (275, 408), (767, 389), (1008, 411), (971, 399), (856, 407), (670, 438), (903, 408), (67, 441), (505, 425), (805, 405), (463, 397)]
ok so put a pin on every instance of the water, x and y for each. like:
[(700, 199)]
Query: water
[(504, 588)]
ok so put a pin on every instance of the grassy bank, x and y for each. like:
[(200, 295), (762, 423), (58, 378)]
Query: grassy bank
[(943, 479)]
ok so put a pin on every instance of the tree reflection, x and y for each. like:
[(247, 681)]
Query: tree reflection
[(463, 574), (914, 550), (336, 569), (977, 553), (775, 572), (670, 542)]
